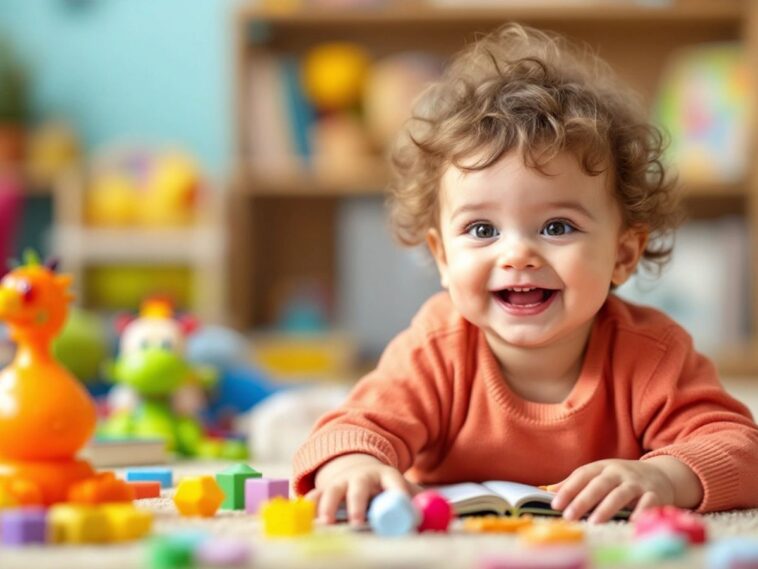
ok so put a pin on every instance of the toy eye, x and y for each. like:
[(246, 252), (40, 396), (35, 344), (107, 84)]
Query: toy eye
[(26, 290)]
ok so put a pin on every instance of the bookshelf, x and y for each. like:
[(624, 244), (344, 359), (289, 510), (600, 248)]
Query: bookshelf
[(199, 248), (636, 38)]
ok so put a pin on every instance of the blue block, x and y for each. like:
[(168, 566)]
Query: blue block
[(162, 475)]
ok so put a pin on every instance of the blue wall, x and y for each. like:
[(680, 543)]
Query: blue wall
[(157, 71)]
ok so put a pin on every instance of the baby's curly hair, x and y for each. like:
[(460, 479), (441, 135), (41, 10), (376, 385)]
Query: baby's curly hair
[(534, 92)]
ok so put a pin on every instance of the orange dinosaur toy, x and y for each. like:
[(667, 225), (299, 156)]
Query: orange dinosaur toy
[(46, 416)]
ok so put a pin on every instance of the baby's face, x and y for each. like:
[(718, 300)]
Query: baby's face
[(527, 257)]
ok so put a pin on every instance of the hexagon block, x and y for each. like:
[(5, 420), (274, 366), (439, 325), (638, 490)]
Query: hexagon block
[(198, 496)]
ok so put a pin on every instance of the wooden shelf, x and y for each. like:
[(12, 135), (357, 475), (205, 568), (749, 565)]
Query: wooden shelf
[(415, 13), (103, 246), (371, 178), (636, 38)]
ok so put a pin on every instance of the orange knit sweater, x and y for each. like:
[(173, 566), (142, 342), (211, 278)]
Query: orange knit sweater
[(438, 408)]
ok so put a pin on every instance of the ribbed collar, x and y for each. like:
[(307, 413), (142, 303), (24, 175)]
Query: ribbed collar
[(590, 378)]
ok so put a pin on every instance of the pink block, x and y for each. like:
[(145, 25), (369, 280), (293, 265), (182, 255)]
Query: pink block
[(672, 520), (223, 553), (547, 558), (259, 490)]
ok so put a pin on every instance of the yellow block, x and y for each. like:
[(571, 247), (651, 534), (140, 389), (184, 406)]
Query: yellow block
[(70, 523), (127, 522), (198, 496), (552, 533), (288, 518), (327, 355)]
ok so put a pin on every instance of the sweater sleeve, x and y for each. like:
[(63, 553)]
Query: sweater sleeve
[(392, 413), (684, 412)]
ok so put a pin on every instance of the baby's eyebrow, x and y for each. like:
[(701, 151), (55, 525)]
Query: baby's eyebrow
[(472, 207), (576, 206)]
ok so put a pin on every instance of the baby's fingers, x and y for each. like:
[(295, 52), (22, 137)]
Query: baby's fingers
[(331, 498), (571, 486), (589, 496), (619, 497), (358, 494), (314, 496), (648, 500), (391, 479)]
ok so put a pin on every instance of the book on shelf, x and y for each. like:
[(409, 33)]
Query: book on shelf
[(280, 117), (502, 498), (125, 452)]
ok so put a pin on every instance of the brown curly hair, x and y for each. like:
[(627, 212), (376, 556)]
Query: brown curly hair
[(535, 92)]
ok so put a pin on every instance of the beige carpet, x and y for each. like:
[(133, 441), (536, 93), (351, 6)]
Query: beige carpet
[(337, 547)]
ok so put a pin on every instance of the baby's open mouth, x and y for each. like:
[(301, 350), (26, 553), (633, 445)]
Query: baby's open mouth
[(525, 296)]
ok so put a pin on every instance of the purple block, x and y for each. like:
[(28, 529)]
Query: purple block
[(24, 525), (259, 490), (223, 553)]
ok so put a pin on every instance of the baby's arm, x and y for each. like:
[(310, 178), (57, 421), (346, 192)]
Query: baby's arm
[(702, 444), (607, 486), (353, 478)]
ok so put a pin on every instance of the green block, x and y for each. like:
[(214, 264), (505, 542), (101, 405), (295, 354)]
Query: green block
[(167, 553), (232, 482)]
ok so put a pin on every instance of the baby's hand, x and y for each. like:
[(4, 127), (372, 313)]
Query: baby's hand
[(354, 478), (607, 486)]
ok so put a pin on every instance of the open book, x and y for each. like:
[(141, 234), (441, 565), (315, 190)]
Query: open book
[(502, 498)]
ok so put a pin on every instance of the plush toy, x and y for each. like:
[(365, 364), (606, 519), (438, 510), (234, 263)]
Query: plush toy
[(159, 394)]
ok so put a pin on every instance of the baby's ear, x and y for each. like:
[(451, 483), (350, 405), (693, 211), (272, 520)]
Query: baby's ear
[(437, 249), (631, 246)]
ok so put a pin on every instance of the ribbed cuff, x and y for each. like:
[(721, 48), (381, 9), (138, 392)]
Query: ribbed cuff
[(713, 466), (330, 444)]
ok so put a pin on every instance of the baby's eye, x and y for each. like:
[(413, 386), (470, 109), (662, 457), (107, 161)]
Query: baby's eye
[(482, 230), (166, 344), (554, 228)]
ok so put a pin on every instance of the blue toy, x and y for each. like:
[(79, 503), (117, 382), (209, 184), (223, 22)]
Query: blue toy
[(163, 475), (239, 386), (392, 514)]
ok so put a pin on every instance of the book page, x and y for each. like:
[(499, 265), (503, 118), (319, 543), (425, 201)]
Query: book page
[(469, 497), (518, 494)]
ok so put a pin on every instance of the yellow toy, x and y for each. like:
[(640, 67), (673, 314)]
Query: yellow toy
[(198, 496), (77, 524), (334, 74), (552, 533), (126, 523), (496, 524), (144, 187), (288, 518)]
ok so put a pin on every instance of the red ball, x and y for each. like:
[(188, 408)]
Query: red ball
[(435, 511)]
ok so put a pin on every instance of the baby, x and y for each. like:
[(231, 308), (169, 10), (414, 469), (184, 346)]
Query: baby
[(536, 182)]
